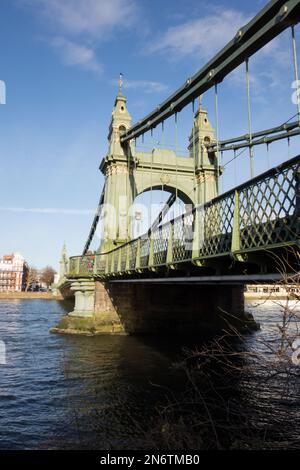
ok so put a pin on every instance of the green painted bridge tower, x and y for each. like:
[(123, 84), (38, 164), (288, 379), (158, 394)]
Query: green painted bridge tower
[(128, 173), (188, 273)]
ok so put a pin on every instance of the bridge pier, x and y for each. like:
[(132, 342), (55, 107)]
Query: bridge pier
[(84, 292), (173, 308), (154, 308)]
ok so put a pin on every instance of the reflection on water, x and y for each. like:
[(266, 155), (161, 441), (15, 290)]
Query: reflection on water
[(82, 392)]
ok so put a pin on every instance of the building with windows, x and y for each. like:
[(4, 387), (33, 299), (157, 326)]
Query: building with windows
[(13, 270), (273, 291)]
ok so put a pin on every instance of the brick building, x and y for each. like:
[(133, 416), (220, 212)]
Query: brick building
[(13, 269)]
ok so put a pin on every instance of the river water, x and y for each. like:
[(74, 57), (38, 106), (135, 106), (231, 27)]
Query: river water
[(70, 392)]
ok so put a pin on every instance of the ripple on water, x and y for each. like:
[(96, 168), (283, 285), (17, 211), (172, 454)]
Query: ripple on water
[(71, 392)]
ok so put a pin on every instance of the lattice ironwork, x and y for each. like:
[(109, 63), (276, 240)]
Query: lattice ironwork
[(178, 242), (267, 210), (132, 255), (267, 215), (116, 260), (73, 266), (145, 251), (109, 256), (124, 251), (183, 237), (160, 238), (86, 265), (216, 231), (100, 264)]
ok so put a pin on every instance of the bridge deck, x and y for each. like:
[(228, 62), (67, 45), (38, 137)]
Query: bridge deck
[(243, 231)]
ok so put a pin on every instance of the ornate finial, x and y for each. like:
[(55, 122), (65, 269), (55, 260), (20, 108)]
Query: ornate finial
[(120, 82), (200, 101), (64, 250)]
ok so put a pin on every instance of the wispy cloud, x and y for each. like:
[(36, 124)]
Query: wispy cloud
[(268, 70), (90, 17), (200, 37), (77, 27), (146, 86), (55, 211), (2, 92), (74, 54)]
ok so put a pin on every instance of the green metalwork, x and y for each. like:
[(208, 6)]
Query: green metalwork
[(151, 251), (277, 16), (170, 243), (94, 224), (235, 241), (145, 252), (138, 255), (287, 126), (257, 217), (129, 172), (83, 265), (262, 140)]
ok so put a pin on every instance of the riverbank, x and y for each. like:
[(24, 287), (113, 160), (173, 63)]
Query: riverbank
[(269, 296), (29, 295), (51, 296)]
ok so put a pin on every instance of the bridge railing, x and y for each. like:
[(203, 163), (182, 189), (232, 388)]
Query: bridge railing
[(262, 214)]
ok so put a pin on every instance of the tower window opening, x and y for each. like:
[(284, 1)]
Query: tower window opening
[(207, 141)]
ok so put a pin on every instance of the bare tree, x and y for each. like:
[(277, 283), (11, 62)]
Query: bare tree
[(47, 275), (241, 391), (32, 276)]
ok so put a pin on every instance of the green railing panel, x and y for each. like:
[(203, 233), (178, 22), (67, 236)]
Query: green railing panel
[(100, 264), (258, 215), (145, 251), (73, 266), (268, 209), (160, 244), (216, 233), (132, 254), (86, 265)]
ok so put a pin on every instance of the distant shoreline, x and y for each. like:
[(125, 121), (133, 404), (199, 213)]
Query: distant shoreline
[(50, 296), (29, 295), (268, 296)]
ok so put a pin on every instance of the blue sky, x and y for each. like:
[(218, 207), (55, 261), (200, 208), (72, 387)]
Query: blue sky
[(60, 60)]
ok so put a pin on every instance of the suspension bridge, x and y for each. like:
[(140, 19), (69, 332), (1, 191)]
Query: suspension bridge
[(184, 271)]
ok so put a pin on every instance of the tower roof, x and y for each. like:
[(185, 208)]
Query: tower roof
[(120, 97)]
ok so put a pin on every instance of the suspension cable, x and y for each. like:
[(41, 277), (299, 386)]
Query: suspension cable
[(217, 137), (268, 155), (151, 178), (176, 146), (162, 160), (296, 70), (134, 171), (235, 169), (142, 169), (249, 117), (194, 151), (263, 139)]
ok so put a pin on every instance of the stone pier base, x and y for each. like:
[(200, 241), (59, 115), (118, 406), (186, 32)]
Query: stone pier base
[(172, 308), (134, 308), (84, 291), (93, 312)]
